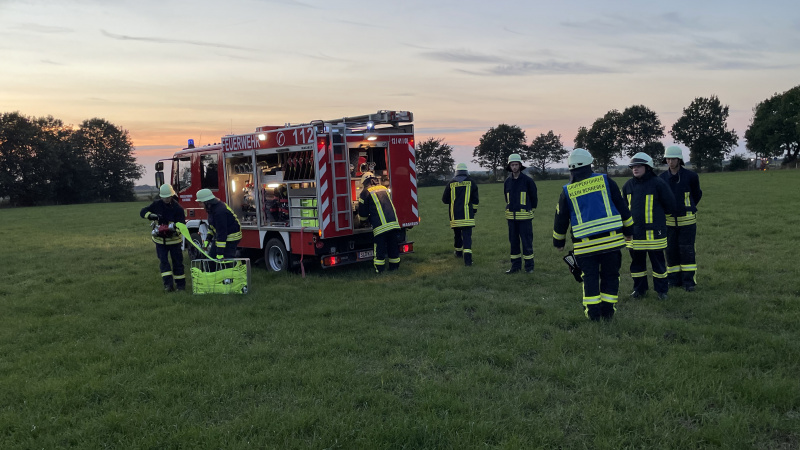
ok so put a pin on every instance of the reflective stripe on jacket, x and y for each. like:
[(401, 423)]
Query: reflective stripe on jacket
[(375, 205), (649, 199), (593, 204), (462, 196), (167, 214), (521, 197), (685, 186)]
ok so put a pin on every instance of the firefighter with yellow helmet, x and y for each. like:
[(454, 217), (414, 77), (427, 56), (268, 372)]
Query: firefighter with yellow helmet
[(681, 226), (165, 213), (223, 224), (650, 200), (461, 195), (521, 202), (375, 205), (593, 208)]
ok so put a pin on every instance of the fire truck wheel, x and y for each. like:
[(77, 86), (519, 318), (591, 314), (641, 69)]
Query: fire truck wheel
[(275, 256), (191, 250)]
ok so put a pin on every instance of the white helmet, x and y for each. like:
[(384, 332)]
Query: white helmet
[(641, 158), (673, 151), (579, 158), (166, 191)]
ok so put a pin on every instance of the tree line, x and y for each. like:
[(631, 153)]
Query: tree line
[(774, 131), (43, 161)]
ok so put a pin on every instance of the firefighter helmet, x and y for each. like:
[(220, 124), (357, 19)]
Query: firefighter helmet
[(514, 157), (461, 166), (204, 195), (579, 158), (366, 176), (641, 158), (673, 151), (166, 191)]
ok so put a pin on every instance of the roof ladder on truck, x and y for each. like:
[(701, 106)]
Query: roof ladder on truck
[(340, 163)]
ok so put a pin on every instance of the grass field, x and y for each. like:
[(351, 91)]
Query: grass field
[(94, 355)]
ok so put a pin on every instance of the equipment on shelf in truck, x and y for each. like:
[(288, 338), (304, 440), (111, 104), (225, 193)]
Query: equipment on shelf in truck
[(295, 188)]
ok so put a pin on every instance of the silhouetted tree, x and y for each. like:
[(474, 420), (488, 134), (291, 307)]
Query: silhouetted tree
[(703, 128), (109, 151), (434, 161), (605, 139), (496, 145), (775, 127), (546, 148), (639, 127)]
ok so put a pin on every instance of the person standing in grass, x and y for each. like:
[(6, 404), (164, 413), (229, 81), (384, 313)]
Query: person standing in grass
[(167, 212), (223, 224), (682, 226), (375, 205), (521, 202), (650, 200), (462, 196), (592, 206)]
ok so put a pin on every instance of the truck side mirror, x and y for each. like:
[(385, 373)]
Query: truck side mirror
[(159, 179), (159, 166)]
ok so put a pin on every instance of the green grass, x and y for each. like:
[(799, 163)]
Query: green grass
[(94, 355)]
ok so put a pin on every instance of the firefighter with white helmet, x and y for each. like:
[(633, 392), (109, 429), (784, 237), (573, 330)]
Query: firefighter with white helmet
[(650, 200), (461, 194), (375, 205), (681, 226), (165, 213), (521, 202), (592, 206), (223, 224)]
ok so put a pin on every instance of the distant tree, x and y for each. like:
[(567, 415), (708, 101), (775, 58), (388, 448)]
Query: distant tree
[(639, 126), (775, 127), (582, 138), (738, 162), (27, 160), (546, 148), (109, 151), (434, 160), (496, 145), (605, 139), (703, 128)]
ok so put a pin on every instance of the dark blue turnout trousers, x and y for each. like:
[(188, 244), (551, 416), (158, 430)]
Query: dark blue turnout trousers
[(168, 273), (639, 270), (521, 231), (600, 283), (681, 263)]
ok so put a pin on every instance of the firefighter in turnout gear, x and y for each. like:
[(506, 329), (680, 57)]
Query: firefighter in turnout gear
[(650, 200), (223, 225), (682, 226), (521, 202), (375, 205), (592, 206), (166, 212), (461, 194)]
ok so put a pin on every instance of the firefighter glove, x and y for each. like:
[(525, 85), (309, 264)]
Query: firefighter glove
[(219, 256), (152, 216)]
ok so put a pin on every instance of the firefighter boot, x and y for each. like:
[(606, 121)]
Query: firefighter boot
[(516, 266), (168, 288), (393, 266), (458, 253), (607, 310), (529, 265), (467, 259)]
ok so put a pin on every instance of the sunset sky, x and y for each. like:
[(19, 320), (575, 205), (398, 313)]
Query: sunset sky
[(167, 70)]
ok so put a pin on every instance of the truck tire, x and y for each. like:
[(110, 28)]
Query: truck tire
[(276, 258), (191, 251)]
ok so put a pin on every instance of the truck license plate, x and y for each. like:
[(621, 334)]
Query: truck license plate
[(366, 254)]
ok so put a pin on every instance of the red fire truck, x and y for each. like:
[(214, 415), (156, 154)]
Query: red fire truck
[(295, 188)]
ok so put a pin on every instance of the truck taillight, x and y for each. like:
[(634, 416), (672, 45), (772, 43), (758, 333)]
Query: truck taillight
[(329, 261), (407, 248)]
